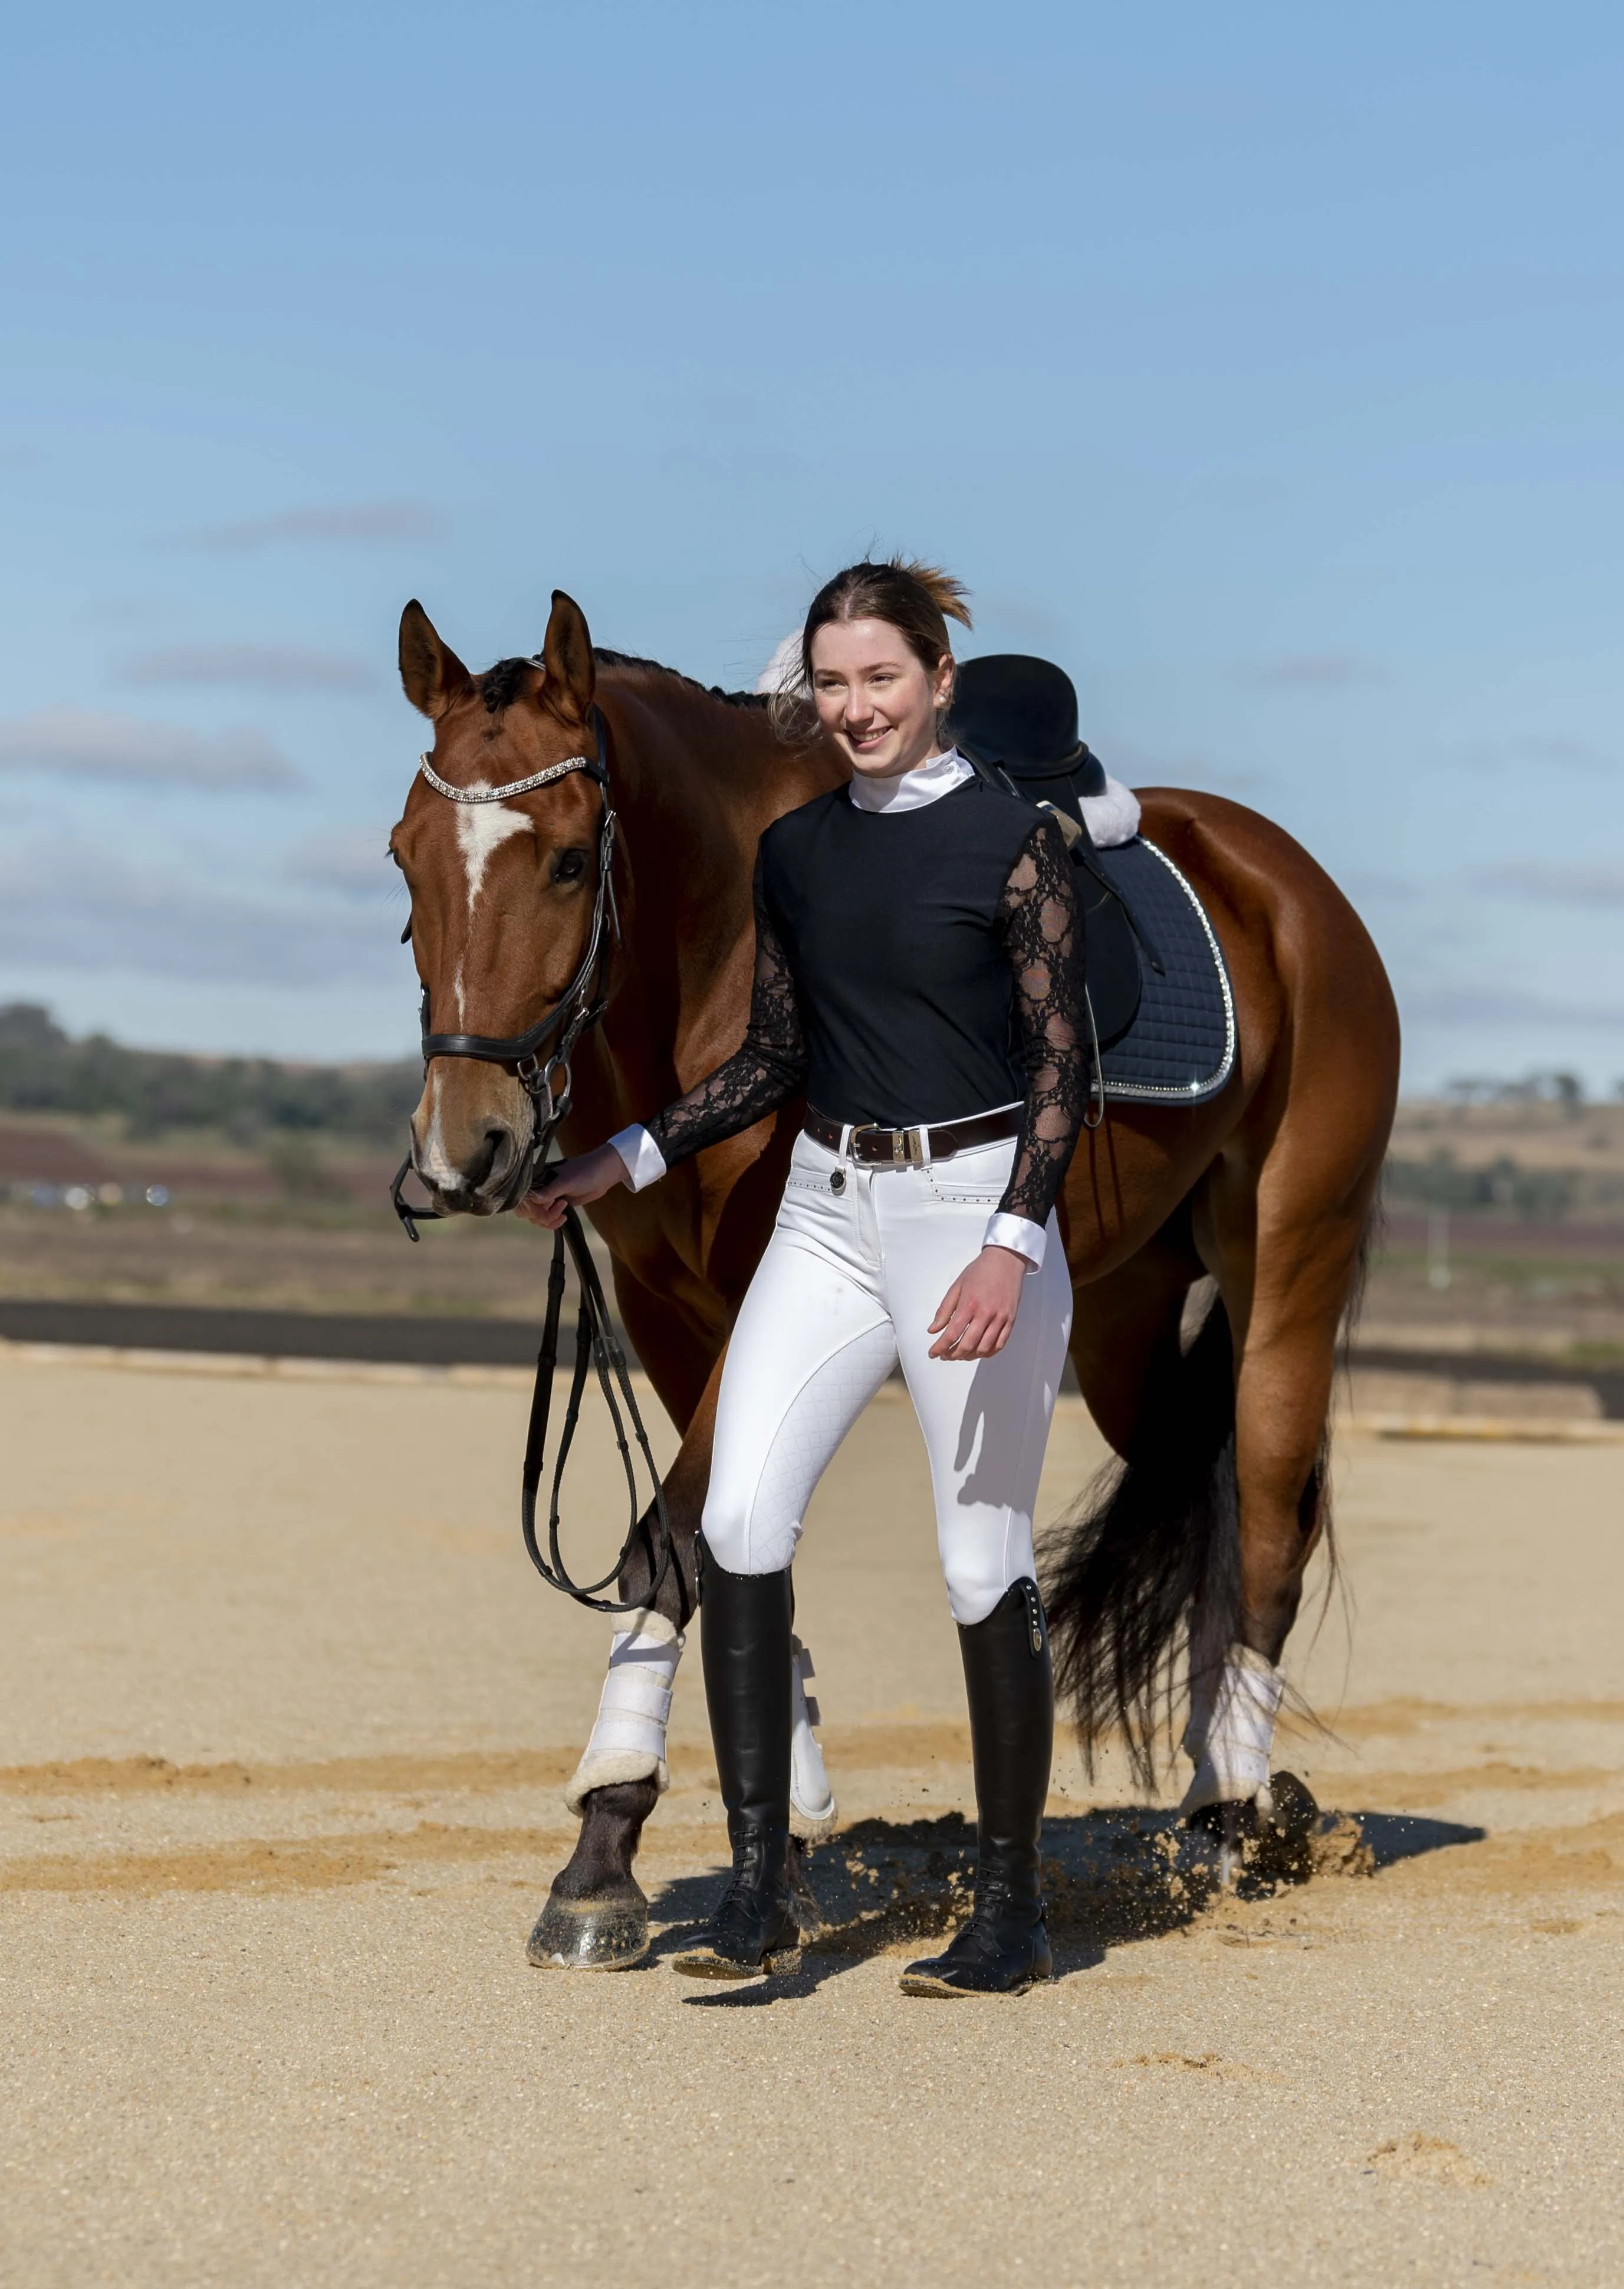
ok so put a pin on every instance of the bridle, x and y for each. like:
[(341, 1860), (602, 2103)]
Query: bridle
[(596, 1345), (546, 1079)]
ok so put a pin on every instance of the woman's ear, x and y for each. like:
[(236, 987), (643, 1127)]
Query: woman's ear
[(942, 682)]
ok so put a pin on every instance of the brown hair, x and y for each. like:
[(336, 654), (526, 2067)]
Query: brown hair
[(917, 599)]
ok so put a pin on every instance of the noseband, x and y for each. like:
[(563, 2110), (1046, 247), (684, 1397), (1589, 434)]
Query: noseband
[(545, 1078)]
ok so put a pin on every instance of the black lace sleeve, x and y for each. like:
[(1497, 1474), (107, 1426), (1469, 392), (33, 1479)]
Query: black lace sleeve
[(1042, 931), (768, 1066)]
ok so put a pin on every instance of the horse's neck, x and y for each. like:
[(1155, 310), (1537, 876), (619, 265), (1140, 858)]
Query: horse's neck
[(695, 781)]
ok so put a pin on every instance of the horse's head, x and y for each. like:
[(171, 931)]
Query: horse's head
[(502, 893)]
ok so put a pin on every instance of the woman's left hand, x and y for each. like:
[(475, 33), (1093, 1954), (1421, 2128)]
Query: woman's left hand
[(979, 1309)]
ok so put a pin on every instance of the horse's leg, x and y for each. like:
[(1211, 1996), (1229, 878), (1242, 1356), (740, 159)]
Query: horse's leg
[(596, 1918), (1285, 1249), (1125, 1330)]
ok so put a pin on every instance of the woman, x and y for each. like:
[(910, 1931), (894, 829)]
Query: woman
[(917, 974)]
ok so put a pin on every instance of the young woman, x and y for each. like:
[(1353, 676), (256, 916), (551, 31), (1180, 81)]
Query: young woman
[(918, 976)]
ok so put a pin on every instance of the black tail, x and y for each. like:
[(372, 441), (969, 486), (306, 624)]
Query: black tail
[(1154, 1541)]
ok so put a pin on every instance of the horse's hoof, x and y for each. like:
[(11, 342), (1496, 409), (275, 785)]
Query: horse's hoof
[(590, 1935), (808, 1915), (1293, 1816)]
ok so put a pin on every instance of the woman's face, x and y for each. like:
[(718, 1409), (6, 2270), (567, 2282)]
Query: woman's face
[(875, 696)]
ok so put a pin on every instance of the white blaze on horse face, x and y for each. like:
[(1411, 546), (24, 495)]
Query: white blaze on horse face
[(482, 828)]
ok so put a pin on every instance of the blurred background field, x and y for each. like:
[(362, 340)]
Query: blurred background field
[(141, 1178)]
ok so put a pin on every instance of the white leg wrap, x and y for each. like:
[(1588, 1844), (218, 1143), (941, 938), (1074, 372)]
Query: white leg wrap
[(1230, 1732), (812, 1805), (628, 1740)]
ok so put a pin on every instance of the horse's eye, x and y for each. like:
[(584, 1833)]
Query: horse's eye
[(569, 866)]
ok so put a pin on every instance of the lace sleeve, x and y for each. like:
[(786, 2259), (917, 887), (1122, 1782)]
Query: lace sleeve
[(768, 1066), (1042, 931)]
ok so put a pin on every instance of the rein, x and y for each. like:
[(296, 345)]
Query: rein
[(596, 1346)]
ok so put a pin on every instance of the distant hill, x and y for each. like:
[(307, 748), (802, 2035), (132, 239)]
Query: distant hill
[(44, 1070)]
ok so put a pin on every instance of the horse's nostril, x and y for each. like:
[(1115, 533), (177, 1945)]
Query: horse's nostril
[(491, 1159)]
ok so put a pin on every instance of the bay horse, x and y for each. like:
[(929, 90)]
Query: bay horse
[(1221, 1494)]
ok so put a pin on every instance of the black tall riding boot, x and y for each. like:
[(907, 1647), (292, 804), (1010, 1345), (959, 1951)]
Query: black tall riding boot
[(1005, 1946), (744, 1643)]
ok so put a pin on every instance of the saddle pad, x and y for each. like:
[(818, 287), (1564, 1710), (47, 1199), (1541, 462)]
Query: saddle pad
[(1180, 1045)]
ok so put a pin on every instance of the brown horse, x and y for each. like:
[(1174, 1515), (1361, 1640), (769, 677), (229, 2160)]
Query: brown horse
[(1267, 1188)]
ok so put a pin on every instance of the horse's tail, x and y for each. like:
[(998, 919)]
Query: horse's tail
[(1150, 1561), (1154, 1539)]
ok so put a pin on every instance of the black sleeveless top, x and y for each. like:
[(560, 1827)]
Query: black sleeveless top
[(912, 966)]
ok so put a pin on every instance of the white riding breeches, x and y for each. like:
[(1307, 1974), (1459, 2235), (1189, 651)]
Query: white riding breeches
[(859, 1264)]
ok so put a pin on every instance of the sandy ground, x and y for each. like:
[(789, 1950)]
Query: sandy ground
[(284, 1721)]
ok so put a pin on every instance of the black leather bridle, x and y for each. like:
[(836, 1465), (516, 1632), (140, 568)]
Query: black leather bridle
[(540, 1057)]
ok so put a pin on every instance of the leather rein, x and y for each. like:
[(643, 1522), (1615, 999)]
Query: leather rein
[(544, 1074)]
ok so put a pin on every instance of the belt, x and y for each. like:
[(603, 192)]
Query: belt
[(873, 1147)]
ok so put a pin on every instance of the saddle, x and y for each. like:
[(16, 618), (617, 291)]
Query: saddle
[(1163, 1016)]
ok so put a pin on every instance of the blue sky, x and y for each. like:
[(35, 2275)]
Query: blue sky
[(1263, 366)]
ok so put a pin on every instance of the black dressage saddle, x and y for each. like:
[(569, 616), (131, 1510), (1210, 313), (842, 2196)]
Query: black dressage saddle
[(1163, 1014)]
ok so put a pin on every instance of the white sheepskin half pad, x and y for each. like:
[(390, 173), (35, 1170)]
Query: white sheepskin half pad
[(628, 1740), (813, 1810), (1230, 1734), (1112, 817)]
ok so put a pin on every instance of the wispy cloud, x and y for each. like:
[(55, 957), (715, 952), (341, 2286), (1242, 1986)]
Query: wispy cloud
[(93, 910), (1467, 1004), (251, 667), (1560, 886), (343, 521), (74, 743), (1314, 671), (1534, 751), (356, 863)]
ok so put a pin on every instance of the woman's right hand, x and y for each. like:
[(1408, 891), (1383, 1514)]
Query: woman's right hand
[(587, 1178)]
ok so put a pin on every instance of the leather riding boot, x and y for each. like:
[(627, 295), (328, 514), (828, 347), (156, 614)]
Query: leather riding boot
[(744, 1646), (1005, 1946)]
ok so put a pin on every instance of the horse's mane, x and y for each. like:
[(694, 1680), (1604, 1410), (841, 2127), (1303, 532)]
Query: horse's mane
[(712, 691), (500, 686)]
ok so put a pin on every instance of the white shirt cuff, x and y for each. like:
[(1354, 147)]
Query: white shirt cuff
[(641, 1158), (1021, 1235)]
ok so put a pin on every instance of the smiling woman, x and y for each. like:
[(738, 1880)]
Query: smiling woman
[(910, 926)]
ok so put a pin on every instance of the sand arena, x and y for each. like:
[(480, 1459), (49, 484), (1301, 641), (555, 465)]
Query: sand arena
[(285, 1725)]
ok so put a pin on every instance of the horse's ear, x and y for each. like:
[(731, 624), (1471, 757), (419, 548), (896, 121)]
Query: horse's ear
[(567, 657), (431, 673)]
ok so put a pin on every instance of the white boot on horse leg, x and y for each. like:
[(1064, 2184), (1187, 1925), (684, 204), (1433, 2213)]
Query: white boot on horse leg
[(813, 1810), (628, 1740), (1233, 1707)]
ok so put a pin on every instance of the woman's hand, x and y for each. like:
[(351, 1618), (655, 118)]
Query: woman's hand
[(587, 1178), (979, 1309)]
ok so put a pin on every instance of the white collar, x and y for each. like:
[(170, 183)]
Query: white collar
[(913, 790)]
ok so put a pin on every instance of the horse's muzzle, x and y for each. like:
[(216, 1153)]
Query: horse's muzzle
[(493, 1176)]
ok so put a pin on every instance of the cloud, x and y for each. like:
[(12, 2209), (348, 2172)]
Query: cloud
[(254, 667), (74, 743), (1503, 1005), (345, 522), (1143, 767), (356, 863), (1314, 671), (1538, 750), (1560, 886), (92, 910)]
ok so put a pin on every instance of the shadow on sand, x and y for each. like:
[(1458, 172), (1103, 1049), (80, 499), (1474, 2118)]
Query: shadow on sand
[(1110, 1877)]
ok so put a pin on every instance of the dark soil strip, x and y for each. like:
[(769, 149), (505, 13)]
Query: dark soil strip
[(279, 1334)]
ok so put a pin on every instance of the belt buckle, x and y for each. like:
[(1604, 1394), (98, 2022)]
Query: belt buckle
[(907, 1148)]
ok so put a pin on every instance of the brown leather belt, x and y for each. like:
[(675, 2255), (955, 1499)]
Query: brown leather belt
[(910, 1148)]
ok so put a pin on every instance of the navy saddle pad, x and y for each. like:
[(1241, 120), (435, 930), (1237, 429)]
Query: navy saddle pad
[(1177, 1045)]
